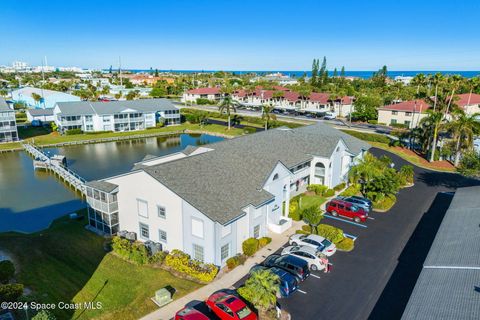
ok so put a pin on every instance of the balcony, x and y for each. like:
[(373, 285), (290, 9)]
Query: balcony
[(102, 206), (300, 174), (8, 128), (281, 226), (65, 123)]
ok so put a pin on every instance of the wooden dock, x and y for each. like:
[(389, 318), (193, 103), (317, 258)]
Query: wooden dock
[(56, 166)]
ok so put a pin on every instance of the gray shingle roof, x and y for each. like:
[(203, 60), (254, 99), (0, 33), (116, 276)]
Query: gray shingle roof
[(102, 185), (446, 286), (4, 105), (111, 107), (41, 112), (220, 183)]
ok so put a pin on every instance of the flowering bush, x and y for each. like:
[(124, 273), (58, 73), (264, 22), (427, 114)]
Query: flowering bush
[(181, 262)]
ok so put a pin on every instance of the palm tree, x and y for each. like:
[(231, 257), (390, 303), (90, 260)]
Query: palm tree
[(261, 289), (365, 171), (227, 105), (463, 127), (267, 114)]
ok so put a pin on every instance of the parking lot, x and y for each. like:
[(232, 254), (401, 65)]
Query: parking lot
[(375, 279)]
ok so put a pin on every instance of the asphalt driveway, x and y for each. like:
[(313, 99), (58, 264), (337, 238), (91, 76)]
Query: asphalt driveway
[(375, 279)]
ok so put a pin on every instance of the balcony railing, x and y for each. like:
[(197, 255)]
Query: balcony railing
[(8, 128), (71, 123), (102, 206)]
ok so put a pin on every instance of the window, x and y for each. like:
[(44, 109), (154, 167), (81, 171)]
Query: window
[(408, 113), (256, 231), (275, 177), (394, 121), (162, 236), (407, 124), (394, 113), (225, 251), (197, 228), (144, 232), (198, 252), (142, 207), (106, 118), (161, 212)]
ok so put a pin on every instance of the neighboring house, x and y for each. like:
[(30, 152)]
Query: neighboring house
[(43, 115), (408, 113), (448, 286), (207, 200), (8, 123), (128, 115), (469, 102), (48, 100), (213, 94)]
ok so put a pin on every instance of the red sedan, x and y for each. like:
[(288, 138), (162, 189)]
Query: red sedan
[(229, 307)]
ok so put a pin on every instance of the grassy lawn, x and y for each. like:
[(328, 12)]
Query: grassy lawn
[(306, 201), (68, 263)]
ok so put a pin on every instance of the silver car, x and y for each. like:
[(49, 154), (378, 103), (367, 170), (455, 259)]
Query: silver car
[(315, 259)]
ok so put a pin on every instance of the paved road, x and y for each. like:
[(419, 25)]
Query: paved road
[(381, 271)]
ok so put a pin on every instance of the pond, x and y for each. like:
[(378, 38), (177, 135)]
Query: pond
[(31, 199)]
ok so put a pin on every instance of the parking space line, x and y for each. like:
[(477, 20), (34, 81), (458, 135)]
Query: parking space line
[(314, 275), (301, 291), (370, 218), (351, 236), (346, 221)]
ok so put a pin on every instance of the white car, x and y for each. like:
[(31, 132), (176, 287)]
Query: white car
[(315, 241), (315, 259), (330, 116)]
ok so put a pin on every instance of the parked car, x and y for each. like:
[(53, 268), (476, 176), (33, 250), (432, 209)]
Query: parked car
[(288, 282), (330, 116), (339, 207), (317, 242), (296, 266), (316, 260), (189, 313), (229, 307), (363, 203)]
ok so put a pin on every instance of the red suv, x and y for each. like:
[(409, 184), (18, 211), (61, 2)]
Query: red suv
[(337, 207)]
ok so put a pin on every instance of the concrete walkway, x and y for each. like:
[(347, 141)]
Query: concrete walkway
[(227, 280)]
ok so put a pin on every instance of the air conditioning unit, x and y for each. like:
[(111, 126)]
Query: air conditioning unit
[(157, 247), (131, 236), (122, 233)]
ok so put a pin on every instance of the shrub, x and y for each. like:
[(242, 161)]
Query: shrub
[(44, 315), (250, 246), (72, 132), (235, 261), (301, 232), (329, 193), (406, 172), (203, 101), (339, 186), (385, 203), (294, 212), (262, 242), (373, 121), (181, 262), (11, 292), (399, 125), (346, 244), (158, 257), (331, 233), (7, 271), (134, 252), (319, 189), (307, 228), (352, 190)]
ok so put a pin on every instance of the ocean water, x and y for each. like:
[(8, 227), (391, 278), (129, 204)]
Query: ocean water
[(360, 74)]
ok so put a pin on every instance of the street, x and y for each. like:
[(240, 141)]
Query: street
[(375, 279)]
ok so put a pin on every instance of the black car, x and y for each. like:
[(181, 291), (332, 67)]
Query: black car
[(296, 266)]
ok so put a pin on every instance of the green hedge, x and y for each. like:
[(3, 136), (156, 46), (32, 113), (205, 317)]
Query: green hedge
[(72, 132), (346, 244), (329, 193), (250, 246), (262, 242), (294, 212), (181, 262), (204, 101), (331, 233), (339, 186), (385, 203), (352, 190), (235, 261), (368, 136), (131, 251), (7, 271), (10, 292), (319, 189)]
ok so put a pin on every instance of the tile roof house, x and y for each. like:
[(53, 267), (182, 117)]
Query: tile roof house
[(469, 102), (207, 200), (408, 113), (212, 94)]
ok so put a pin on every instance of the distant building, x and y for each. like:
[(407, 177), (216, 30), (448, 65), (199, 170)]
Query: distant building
[(469, 102), (213, 94), (8, 123), (48, 100), (408, 113), (128, 115), (403, 79), (43, 115)]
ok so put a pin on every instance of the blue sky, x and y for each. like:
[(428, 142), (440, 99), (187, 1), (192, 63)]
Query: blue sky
[(243, 35)]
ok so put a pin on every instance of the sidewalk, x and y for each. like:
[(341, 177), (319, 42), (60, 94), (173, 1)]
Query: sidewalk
[(227, 280)]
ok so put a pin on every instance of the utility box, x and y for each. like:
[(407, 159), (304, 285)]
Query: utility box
[(162, 297)]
